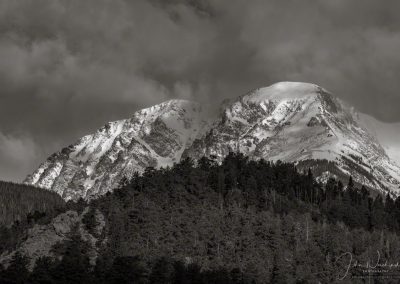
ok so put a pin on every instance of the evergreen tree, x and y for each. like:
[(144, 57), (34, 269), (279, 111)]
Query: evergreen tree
[(17, 272), (377, 214), (350, 183), (74, 266), (162, 272), (278, 275), (41, 273), (127, 269)]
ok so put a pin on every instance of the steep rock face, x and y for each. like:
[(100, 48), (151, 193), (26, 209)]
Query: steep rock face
[(294, 122), (388, 134), (287, 121), (152, 137)]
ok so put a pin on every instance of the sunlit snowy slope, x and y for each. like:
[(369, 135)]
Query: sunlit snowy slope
[(287, 121), (388, 134)]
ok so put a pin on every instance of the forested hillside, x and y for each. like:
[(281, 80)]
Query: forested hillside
[(21, 207), (239, 222), (19, 200)]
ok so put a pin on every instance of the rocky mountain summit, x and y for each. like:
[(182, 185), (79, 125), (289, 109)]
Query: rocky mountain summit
[(287, 121)]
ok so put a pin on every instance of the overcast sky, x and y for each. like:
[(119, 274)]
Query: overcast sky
[(69, 66)]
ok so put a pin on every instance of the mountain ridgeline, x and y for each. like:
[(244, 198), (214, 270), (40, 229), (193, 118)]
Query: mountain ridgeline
[(238, 221), (288, 121), (282, 185)]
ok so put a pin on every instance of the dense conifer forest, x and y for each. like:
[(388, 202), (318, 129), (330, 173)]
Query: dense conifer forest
[(21, 207), (19, 200), (241, 221)]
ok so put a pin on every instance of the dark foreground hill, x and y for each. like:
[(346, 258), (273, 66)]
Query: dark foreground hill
[(239, 222)]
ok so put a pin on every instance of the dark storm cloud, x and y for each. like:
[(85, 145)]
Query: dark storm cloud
[(67, 67)]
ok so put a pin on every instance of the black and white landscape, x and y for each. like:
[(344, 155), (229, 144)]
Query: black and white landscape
[(288, 121), (204, 141)]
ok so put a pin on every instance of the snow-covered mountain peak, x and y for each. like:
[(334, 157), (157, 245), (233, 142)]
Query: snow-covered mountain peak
[(173, 107), (154, 136), (288, 121), (180, 104), (282, 91), (294, 122)]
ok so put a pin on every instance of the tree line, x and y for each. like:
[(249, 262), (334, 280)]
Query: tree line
[(240, 221)]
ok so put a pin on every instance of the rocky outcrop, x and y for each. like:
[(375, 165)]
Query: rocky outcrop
[(41, 239)]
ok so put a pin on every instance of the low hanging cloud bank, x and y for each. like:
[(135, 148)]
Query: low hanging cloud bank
[(67, 67)]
